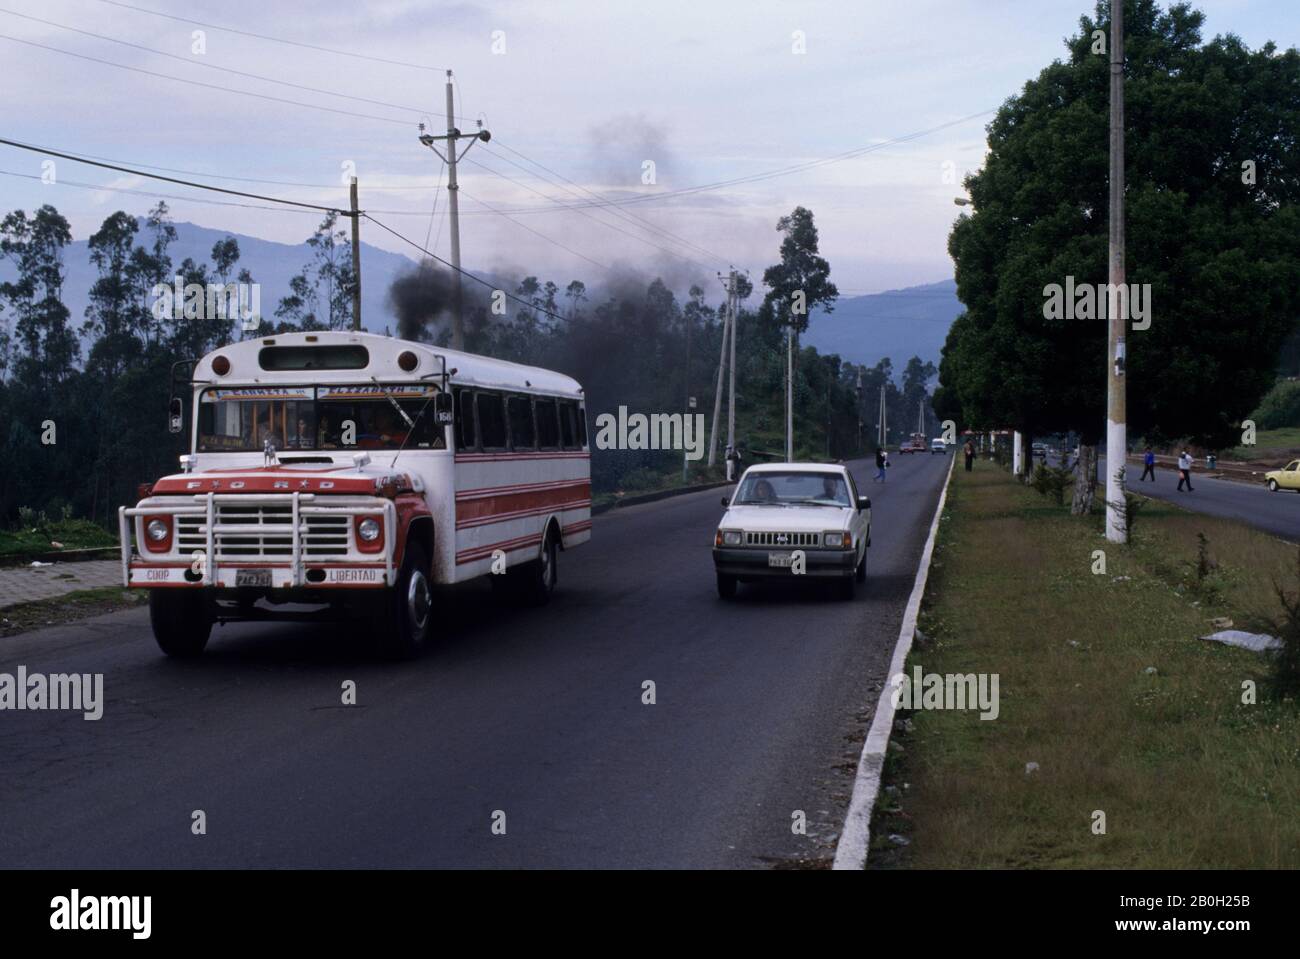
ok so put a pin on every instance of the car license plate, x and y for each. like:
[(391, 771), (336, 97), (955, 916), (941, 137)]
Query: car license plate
[(252, 577), (783, 560)]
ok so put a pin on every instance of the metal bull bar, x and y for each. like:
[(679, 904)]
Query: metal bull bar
[(205, 505)]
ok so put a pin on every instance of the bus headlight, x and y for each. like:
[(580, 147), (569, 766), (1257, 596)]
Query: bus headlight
[(368, 529), (158, 529)]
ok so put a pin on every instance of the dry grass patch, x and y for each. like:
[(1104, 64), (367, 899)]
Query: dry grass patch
[(1186, 774)]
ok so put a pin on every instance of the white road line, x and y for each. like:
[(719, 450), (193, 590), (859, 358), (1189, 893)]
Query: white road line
[(851, 850)]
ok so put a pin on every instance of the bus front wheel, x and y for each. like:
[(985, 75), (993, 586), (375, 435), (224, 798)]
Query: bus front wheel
[(406, 609), (181, 621)]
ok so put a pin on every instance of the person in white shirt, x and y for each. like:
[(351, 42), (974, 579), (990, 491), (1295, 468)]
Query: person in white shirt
[(1185, 471)]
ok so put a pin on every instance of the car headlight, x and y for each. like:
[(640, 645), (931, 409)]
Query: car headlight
[(836, 539), (728, 537), (368, 530), (158, 529)]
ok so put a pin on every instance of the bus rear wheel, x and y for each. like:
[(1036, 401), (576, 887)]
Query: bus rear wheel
[(181, 621), (535, 581)]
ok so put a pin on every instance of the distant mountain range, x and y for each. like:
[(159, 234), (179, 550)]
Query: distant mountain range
[(898, 324), (271, 264)]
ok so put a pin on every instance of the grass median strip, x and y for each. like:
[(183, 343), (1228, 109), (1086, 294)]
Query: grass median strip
[(1104, 685)]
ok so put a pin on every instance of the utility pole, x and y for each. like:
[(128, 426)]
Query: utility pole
[(1116, 399), (453, 197), (356, 258), (789, 392), (858, 392), (722, 366), (883, 431), (686, 410), (733, 301)]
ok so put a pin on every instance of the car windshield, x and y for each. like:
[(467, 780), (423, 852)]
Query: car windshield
[(775, 488), (316, 418)]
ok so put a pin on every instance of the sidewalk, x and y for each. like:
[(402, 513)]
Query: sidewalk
[(27, 584)]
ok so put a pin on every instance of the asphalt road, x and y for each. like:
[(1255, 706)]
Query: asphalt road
[(761, 707), (1277, 513)]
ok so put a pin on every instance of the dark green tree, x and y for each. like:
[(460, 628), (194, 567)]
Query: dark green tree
[(1222, 255)]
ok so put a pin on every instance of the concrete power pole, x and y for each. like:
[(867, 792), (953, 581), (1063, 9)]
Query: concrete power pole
[(722, 367), (883, 426), (453, 198), (789, 393), (1116, 399), (356, 259), (733, 299)]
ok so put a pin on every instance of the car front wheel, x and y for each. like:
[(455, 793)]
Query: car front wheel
[(1272, 486)]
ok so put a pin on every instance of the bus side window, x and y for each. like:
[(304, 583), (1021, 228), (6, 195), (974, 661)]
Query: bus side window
[(491, 421), (465, 435), (548, 424), (520, 409), (568, 424), (582, 426)]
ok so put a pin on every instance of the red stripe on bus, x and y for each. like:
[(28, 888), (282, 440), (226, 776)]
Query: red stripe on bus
[(495, 508)]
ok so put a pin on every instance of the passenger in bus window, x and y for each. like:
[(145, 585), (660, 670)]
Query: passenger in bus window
[(267, 430), (302, 437)]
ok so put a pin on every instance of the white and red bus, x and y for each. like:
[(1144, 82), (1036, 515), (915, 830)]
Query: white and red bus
[(346, 474)]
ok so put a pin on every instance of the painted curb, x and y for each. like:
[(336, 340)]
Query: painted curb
[(855, 837)]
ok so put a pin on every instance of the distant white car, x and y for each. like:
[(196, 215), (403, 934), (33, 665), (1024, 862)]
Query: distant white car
[(937, 445), (793, 519)]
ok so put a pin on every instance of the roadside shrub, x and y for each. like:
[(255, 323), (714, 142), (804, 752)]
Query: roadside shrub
[(1280, 406), (1052, 481), (1284, 681)]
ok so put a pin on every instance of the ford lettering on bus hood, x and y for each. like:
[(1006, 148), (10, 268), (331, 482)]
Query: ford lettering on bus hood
[(282, 480)]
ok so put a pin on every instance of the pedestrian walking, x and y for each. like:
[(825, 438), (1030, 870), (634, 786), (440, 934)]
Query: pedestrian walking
[(1149, 465), (969, 451), (882, 463), (1185, 471)]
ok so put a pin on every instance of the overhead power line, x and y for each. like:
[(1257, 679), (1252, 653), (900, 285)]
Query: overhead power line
[(754, 177), (193, 61), (623, 214), (272, 39), (152, 195), (604, 223), (551, 240), (206, 86), (465, 273), (167, 179)]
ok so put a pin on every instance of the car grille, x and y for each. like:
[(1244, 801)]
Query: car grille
[(270, 535), (783, 539)]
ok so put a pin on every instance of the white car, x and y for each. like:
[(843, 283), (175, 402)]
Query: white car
[(937, 445), (793, 519)]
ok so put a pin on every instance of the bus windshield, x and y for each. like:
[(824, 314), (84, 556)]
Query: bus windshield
[(317, 418)]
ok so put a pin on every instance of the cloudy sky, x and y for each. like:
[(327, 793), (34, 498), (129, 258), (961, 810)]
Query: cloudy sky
[(578, 96)]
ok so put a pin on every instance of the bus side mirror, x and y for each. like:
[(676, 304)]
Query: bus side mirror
[(175, 416), (442, 409)]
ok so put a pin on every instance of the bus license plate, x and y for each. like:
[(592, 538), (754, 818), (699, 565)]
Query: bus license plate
[(783, 560), (252, 577)]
